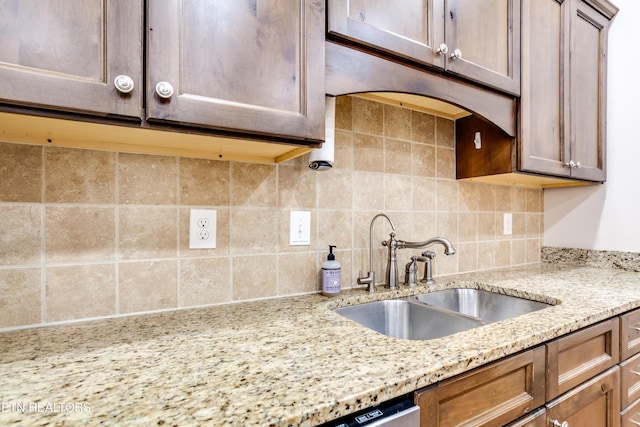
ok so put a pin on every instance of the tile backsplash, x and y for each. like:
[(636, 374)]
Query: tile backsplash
[(89, 234)]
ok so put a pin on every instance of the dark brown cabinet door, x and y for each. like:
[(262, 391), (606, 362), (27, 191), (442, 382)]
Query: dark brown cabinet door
[(564, 46), (65, 54), (483, 37), (476, 39), (412, 29), (587, 67), (254, 66)]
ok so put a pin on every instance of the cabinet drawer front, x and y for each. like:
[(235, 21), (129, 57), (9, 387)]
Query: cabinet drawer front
[(629, 334), (630, 381), (575, 358), (594, 403), (630, 417), (493, 395)]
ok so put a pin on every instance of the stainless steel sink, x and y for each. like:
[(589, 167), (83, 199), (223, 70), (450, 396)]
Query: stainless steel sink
[(406, 319), (486, 305)]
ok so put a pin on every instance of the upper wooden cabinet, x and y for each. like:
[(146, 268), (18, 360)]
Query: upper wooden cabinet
[(564, 45), (248, 70), (256, 66), (476, 39), (65, 55)]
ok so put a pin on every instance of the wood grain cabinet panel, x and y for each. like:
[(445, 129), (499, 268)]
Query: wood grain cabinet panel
[(486, 33), (630, 381), (491, 395), (253, 66), (630, 416), (629, 334), (65, 55), (537, 418), (575, 358), (595, 403)]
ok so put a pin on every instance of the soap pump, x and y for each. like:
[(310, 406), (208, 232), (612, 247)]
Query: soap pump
[(331, 275)]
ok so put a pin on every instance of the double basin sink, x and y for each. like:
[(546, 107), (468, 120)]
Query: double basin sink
[(438, 314)]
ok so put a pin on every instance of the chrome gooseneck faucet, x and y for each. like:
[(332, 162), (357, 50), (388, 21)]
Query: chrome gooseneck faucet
[(370, 279)]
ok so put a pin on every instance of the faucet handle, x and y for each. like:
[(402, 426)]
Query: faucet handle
[(429, 254)]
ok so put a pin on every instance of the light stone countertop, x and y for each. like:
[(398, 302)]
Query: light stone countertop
[(288, 361)]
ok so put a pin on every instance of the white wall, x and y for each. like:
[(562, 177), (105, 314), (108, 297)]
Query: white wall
[(607, 217)]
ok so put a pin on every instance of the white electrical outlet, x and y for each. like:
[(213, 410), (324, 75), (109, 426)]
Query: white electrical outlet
[(508, 223), (202, 228), (300, 228)]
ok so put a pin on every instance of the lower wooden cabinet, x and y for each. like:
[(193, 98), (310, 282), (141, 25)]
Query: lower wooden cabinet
[(630, 417), (537, 418), (491, 395), (595, 403)]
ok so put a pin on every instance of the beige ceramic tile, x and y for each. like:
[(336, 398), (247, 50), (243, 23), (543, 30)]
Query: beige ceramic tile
[(342, 151), (78, 234), (519, 199), (502, 253), (334, 228), (486, 226), (423, 160), (503, 198), (467, 226), (467, 196), (445, 133), (297, 187), (148, 285), (532, 227), (368, 190), (335, 189), (518, 252), (367, 116), (532, 250), (148, 232), (467, 254), (397, 122), (254, 231), (423, 194), (79, 176), (253, 185), (445, 163), (425, 226), (205, 281), (254, 277), (147, 180), (368, 153), (534, 200), (397, 192), (343, 112), (423, 127), (69, 298), (486, 255), (486, 198), (20, 173), (518, 226), (21, 231), (447, 195), (447, 225), (20, 297), (298, 273), (204, 182), (446, 264), (222, 234), (397, 156)]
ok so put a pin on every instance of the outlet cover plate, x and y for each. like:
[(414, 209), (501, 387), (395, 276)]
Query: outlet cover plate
[(508, 224), (202, 228), (300, 228)]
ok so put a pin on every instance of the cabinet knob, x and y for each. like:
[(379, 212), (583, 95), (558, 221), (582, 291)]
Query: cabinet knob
[(457, 54), (571, 164), (443, 49), (123, 83), (578, 165), (164, 90), (556, 423)]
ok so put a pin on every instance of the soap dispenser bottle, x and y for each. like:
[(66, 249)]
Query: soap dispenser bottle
[(331, 275)]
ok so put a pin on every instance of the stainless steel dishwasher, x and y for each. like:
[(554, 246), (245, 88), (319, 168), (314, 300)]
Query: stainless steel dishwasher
[(399, 412)]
